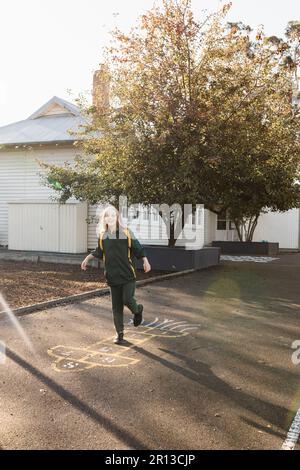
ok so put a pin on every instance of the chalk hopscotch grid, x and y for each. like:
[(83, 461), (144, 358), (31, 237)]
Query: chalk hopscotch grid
[(106, 355), (255, 259), (293, 434)]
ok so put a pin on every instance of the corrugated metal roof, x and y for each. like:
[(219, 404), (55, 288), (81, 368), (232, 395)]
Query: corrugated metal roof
[(55, 100), (39, 128)]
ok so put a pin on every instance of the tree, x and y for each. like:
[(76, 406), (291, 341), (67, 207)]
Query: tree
[(151, 130), (253, 133), (195, 112), (293, 59)]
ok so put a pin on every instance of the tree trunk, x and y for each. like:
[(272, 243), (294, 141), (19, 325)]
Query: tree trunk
[(174, 225), (246, 227), (253, 227), (168, 221), (237, 224), (172, 240)]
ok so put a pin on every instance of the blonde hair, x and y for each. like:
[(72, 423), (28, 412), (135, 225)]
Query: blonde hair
[(102, 226)]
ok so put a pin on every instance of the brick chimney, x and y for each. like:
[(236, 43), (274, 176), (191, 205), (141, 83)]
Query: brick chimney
[(101, 88)]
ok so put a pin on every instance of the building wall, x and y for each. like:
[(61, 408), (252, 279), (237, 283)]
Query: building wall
[(150, 229), (282, 227), (47, 226), (92, 226), (210, 226), (20, 180)]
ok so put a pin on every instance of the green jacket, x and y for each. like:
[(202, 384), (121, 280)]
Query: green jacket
[(117, 253)]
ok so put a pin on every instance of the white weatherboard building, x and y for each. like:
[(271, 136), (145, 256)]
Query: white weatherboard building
[(31, 220), (28, 218), (277, 227)]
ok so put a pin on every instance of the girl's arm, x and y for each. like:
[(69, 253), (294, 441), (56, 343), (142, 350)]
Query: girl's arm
[(146, 264), (139, 252), (97, 253)]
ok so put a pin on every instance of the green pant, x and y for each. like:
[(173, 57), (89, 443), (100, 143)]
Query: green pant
[(121, 295)]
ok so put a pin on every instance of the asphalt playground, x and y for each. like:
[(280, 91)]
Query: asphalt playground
[(210, 368)]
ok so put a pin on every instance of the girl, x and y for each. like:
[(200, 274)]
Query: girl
[(116, 244)]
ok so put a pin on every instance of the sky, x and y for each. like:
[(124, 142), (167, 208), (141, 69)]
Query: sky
[(53, 47)]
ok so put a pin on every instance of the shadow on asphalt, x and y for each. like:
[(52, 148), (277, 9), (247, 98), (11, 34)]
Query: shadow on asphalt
[(202, 374), (262, 428), (120, 433)]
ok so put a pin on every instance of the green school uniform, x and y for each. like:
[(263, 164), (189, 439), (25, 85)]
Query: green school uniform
[(116, 250), (117, 256)]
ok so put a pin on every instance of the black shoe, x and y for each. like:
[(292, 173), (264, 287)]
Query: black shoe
[(119, 338), (138, 317)]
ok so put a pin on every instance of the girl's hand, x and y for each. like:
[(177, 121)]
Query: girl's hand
[(147, 266), (84, 264)]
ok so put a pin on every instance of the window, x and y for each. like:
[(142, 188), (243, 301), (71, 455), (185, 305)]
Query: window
[(133, 214), (153, 213), (155, 216), (199, 217), (221, 222), (221, 225)]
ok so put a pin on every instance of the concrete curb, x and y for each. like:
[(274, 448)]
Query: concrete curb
[(90, 294)]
